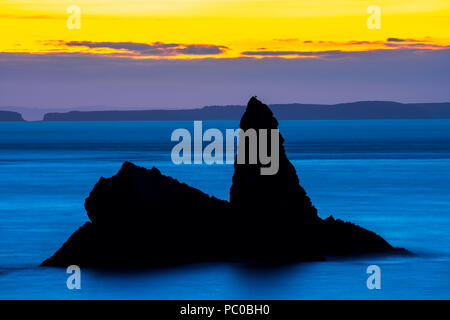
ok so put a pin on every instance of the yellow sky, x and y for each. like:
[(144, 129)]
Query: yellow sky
[(39, 26)]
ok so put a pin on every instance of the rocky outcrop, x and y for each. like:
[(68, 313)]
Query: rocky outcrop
[(279, 208), (280, 193), (141, 218)]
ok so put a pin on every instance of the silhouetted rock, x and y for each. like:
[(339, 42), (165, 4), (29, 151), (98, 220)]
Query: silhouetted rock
[(274, 205), (280, 209), (141, 218), (279, 194), (339, 238)]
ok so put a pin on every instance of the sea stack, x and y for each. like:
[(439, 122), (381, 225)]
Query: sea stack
[(278, 194), (275, 204)]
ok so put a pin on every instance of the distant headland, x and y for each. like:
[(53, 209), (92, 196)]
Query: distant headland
[(10, 116), (361, 110), (345, 111)]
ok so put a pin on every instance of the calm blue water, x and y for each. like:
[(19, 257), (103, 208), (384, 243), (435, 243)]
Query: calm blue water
[(392, 177)]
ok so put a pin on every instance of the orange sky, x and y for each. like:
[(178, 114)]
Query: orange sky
[(190, 29), (191, 53)]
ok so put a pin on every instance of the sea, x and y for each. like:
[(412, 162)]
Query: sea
[(389, 176)]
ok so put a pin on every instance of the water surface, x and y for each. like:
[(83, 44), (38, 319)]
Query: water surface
[(390, 176)]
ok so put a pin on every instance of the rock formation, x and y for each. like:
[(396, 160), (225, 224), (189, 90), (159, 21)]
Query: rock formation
[(141, 218), (279, 194)]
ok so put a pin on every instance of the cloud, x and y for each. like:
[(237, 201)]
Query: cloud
[(130, 46), (287, 40), (389, 41), (71, 80), (315, 54), (401, 40), (354, 42), (290, 53), (154, 49), (202, 49), (323, 49), (419, 45), (409, 43), (369, 48), (413, 44)]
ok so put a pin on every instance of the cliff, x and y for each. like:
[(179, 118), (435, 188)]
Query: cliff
[(361, 110)]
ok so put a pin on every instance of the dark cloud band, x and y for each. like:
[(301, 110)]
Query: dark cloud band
[(155, 48)]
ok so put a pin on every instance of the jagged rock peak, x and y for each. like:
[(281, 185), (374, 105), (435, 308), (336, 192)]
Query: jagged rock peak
[(137, 194), (280, 193), (258, 116)]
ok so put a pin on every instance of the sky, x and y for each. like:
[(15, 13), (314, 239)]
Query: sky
[(119, 54)]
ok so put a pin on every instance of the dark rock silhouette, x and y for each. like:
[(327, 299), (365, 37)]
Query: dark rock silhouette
[(141, 218), (279, 208), (280, 193), (275, 205)]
